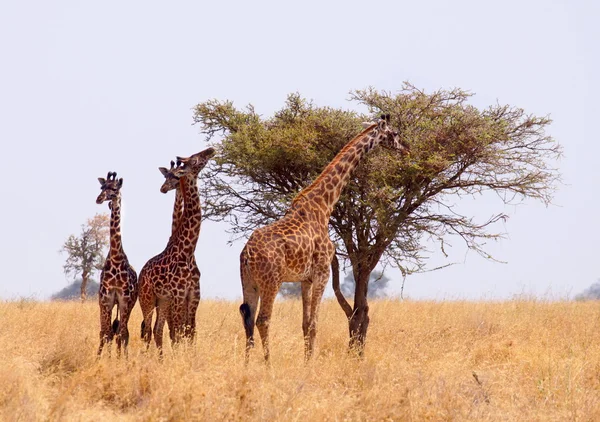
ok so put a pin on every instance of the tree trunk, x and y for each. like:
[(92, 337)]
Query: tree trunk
[(84, 281), (358, 316), (359, 322)]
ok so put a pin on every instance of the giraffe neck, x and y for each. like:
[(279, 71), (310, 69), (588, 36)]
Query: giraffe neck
[(116, 246), (325, 191), (177, 211), (187, 233)]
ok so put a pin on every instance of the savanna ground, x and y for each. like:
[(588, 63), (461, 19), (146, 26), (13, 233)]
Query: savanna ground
[(516, 360)]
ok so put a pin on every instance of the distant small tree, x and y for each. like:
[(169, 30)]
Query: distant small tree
[(378, 282), (591, 293), (291, 290), (85, 253)]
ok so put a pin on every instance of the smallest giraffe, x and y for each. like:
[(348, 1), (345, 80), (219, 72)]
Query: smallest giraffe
[(118, 281)]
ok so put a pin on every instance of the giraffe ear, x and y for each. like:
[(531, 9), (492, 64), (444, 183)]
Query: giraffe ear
[(102, 180), (366, 124), (163, 171), (120, 182)]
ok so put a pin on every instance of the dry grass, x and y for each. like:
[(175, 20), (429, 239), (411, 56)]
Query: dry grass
[(533, 361)]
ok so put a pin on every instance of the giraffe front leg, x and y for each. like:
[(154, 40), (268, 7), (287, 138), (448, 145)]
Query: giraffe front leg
[(320, 276), (306, 306)]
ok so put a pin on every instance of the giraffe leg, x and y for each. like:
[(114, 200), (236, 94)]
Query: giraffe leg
[(147, 328), (171, 327), (179, 316), (314, 316), (263, 320), (319, 277), (161, 316), (248, 312), (123, 327), (306, 304), (147, 303), (106, 333), (193, 302)]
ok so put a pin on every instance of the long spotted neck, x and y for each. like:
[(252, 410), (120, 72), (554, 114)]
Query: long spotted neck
[(325, 191), (116, 245), (177, 211), (187, 233)]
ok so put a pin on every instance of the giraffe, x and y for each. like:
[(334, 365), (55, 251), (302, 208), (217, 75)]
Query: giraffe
[(166, 279), (118, 280), (297, 248), (172, 182)]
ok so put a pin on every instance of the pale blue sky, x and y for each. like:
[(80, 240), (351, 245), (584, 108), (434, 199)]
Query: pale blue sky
[(88, 87)]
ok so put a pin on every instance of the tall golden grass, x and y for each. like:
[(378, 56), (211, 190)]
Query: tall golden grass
[(516, 360)]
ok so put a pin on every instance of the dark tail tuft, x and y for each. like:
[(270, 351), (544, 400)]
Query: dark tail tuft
[(143, 327), (247, 319), (115, 326)]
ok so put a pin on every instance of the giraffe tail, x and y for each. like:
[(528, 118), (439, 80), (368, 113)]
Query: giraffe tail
[(115, 324), (247, 319), (248, 308)]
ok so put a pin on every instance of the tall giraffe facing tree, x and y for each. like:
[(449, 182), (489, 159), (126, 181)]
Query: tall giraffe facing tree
[(166, 279), (118, 281), (172, 183), (297, 247)]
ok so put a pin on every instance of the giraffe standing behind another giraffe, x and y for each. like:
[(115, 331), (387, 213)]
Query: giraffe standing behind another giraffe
[(118, 281), (166, 279), (297, 248), (172, 183)]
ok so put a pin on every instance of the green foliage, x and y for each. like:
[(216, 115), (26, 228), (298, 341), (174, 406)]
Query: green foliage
[(391, 202)]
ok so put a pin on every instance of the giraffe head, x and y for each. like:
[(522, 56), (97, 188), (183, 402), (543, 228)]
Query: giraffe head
[(110, 187), (171, 178), (185, 166), (389, 137)]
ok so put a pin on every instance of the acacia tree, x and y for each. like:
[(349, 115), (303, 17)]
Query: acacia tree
[(85, 253), (391, 203)]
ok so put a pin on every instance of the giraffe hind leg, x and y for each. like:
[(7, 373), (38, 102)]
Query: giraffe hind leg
[(192, 308), (146, 326), (249, 306), (123, 327), (106, 333), (248, 312), (263, 321)]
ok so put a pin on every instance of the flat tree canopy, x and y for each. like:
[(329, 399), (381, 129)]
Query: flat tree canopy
[(391, 203)]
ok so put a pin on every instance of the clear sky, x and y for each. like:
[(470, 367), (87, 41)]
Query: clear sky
[(88, 87)]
